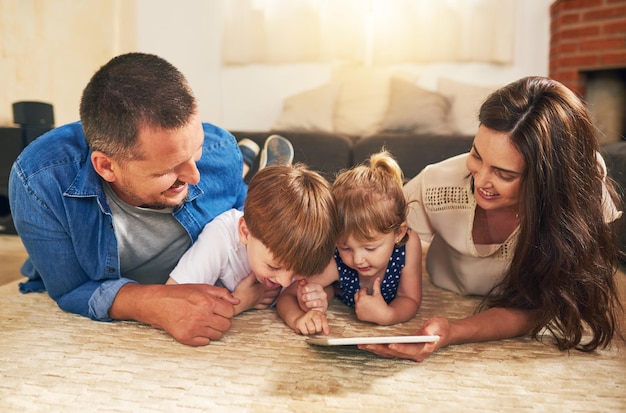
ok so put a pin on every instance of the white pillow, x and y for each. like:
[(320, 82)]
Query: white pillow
[(311, 110), (466, 101), (362, 100), (416, 110)]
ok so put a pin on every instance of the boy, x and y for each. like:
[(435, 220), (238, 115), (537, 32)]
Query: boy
[(288, 230)]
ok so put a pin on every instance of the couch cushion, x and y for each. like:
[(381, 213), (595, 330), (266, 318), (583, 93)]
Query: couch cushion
[(415, 110), (312, 110), (466, 101), (362, 99)]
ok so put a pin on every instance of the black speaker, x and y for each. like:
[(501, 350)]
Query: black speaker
[(10, 147), (35, 119)]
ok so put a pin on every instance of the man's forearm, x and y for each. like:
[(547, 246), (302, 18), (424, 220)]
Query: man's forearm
[(130, 303)]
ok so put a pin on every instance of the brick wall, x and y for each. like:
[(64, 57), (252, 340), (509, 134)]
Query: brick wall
[(586, 35)]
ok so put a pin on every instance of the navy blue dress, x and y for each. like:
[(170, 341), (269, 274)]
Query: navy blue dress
[(349, 278)]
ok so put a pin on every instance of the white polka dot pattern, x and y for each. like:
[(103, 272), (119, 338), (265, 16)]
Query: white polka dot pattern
[(349, 277)]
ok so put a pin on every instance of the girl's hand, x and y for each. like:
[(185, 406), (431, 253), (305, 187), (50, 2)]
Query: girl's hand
[(439, 326), (312, 322), (311, 296), (372, 308)]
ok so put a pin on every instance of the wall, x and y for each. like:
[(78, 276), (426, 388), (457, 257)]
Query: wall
[(586, 36), (50, 48), (588, 54), (186, 33), (252, 96)]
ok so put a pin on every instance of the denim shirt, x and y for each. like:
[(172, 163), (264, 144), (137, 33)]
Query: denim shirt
[(61, 213)]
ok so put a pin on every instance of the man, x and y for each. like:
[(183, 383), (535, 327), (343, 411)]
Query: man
[(106, 207)]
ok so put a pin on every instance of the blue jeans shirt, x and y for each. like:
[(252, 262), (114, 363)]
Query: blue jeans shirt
[(61, 213)]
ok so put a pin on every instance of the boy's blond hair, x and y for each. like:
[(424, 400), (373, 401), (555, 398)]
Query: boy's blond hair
[(370, 199), (292, 211)]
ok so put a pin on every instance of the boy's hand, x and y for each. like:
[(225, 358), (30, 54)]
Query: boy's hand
[(312, 322), (311, 296), (252, 294)]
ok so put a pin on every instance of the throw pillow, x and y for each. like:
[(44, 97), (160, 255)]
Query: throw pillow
[(311, 110), (362, 100), (415, 110), (466, 100)]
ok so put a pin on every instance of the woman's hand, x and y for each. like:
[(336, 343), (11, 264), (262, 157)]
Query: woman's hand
[(496, 323), (439, 326)]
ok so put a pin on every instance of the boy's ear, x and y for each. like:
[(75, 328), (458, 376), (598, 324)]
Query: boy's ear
[(244, 232), (103, 165)]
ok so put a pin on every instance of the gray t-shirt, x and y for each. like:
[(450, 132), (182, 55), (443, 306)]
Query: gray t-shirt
[(150, 241)]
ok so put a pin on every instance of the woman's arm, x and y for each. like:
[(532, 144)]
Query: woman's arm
[(492, 324)]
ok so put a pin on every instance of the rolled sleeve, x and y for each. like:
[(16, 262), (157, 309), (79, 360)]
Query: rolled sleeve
[(102, 299)]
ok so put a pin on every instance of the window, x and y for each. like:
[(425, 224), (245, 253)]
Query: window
[(368, 32)]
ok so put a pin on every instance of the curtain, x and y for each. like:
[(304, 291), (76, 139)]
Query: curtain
[(367, 31)]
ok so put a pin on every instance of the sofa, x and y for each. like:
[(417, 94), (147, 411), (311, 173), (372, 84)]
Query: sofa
[(328, 153)]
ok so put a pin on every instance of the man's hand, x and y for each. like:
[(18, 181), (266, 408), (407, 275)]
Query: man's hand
[(252, 294), (194, 314)]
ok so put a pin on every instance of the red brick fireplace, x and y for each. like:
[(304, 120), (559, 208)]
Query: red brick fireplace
[(588, 54)]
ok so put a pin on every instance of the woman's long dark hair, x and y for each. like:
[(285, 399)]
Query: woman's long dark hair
[(566, 255)]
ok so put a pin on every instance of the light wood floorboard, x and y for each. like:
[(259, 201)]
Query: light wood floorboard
[(12, 256)]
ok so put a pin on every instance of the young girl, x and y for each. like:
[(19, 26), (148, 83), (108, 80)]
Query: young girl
[(377, 268)]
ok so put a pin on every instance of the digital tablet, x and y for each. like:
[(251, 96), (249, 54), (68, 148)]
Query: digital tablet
[(351, 341)]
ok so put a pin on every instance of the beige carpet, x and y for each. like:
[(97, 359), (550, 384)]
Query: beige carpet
[(54, 361)]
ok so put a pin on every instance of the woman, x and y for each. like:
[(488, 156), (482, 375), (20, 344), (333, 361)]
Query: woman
[(524, 219)]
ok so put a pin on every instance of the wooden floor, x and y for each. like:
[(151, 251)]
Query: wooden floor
[(12, 256)]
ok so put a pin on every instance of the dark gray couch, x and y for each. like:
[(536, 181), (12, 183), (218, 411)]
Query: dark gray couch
[(329, 153)]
